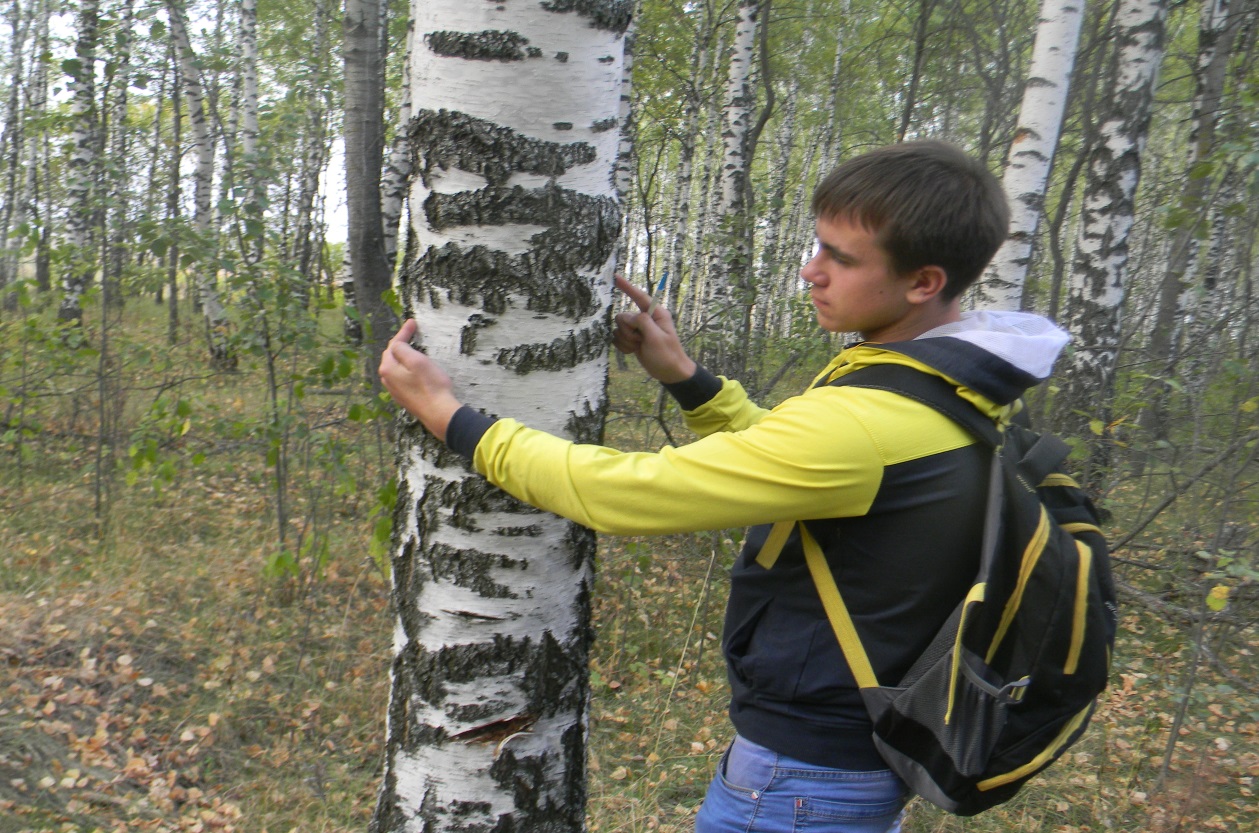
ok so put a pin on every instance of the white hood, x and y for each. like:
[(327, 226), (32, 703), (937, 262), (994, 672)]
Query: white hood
[(1027, 341)]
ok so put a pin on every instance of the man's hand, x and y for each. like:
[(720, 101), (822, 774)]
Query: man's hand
[(650, 335), (416, 382)]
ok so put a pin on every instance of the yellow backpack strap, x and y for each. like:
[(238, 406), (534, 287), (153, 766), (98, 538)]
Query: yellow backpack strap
[(837, 612), (773, 545)]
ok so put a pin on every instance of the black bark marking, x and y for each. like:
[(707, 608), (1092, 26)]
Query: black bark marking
[(568, 351), (467, 337), (588, 427), (562, 125), (603, 125), (612, 15), (562, 57), (445, 139), (472, 569), (471, 499), (487, 45), (548, 205)]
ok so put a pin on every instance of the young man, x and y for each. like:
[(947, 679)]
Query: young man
[(892, 490)]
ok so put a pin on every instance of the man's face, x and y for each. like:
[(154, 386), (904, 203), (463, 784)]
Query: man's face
[(852, 283)]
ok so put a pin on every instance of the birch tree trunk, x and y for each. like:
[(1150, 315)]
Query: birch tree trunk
[(1095, 293), (1032, 151), (393, 189), (252, 237), (730, 255), (307, 239), (81, 166), (203, 276), (364, 153), (1216, 31), (12, 143), (515, 222), (119, 226), (676, 259), (39, 157)]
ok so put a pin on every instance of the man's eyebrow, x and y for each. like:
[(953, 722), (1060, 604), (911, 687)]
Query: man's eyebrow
[(832, 250)]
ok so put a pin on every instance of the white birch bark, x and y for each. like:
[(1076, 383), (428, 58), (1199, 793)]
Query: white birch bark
[(1177, 295), (204, 280), (307, 239), (676, 259), (737, 110), (729, 257), (119, 231), (37, 147), (1095, 293), (393, 186), (80, 167), (253, 238), (1032, 150), (12, 145), (514, 218)]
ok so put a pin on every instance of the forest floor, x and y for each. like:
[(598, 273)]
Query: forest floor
[(155, 677)]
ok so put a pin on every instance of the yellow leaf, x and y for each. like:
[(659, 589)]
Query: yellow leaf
[(1217, 599), (1096, 426)]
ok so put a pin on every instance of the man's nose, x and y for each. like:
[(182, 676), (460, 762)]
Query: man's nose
[(809, 273)]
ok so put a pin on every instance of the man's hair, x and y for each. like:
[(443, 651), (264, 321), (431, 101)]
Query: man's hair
[(927, 203)]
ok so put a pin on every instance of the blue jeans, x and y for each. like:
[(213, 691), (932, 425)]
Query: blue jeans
[(759, 791)]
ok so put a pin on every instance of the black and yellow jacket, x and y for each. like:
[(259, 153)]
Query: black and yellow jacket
[(893, 490)]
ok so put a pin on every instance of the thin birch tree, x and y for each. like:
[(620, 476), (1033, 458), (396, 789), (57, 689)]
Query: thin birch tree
[(1096, 288), (1032, 150), (204, 275), (81, 165), (364, 153), (1217, 29), (730, 290), (515, 221)]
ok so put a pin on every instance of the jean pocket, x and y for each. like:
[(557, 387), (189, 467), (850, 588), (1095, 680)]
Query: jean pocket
[(820, 814), (747, 767)]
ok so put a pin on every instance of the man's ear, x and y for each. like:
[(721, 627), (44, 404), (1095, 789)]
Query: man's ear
[(926, 285)]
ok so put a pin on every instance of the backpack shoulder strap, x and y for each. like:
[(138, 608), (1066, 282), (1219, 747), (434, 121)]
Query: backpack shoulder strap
[(1039, 455), (929, 389)]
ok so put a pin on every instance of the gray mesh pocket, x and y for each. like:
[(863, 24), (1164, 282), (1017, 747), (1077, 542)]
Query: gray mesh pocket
[(980, 707)]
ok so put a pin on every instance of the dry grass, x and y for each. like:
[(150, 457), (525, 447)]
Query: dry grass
[(153, 678)]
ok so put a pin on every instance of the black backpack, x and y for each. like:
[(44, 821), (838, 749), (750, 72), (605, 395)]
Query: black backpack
[(1012, 679)]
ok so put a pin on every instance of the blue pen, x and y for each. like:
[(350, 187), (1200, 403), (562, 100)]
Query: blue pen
[(655, 296)]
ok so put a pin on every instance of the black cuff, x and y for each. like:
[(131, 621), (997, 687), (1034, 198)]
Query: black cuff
[(696, 390), (466, 429)]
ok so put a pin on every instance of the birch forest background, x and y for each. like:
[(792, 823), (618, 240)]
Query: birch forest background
[(205, 235)]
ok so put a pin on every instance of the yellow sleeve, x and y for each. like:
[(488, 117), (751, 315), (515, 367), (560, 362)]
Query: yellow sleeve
[(818, 455), (729, 410)]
